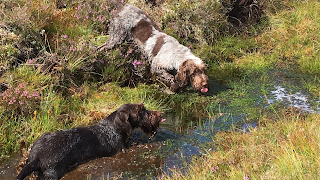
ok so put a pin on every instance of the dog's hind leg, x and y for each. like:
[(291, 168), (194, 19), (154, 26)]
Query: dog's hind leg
[(118, 33)]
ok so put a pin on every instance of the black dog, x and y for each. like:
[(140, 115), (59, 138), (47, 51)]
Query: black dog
[(55, 154)]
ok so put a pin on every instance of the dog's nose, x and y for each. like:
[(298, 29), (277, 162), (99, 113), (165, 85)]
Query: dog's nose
[(204, 84), (204, 88)]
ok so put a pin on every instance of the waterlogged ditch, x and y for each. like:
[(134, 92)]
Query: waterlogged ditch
[(178, 140)]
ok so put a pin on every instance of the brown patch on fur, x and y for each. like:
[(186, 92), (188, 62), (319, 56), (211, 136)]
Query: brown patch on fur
[(189, 72), (142, 31), (158, 45), (154, 24)]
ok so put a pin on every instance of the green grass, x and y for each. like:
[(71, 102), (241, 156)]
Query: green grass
[(84, 86), (284, 149)]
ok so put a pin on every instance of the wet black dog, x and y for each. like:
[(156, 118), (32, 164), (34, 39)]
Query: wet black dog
[(55, 154)]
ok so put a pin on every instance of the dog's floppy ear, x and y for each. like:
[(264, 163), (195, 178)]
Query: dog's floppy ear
[(181, 78), (122, 122)]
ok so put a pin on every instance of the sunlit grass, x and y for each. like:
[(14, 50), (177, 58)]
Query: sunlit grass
[(287, 38), (287, 148), (294, 35), (283, 149)]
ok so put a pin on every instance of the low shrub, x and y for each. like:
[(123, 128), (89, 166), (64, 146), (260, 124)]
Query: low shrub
[(20, 99)]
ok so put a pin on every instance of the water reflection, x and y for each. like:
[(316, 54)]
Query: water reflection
[(297, 100), (177, 140)]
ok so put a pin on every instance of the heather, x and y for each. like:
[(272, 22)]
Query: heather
[(52, 78)]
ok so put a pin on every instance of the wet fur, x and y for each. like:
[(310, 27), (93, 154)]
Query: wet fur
[(55, 154), (165, 54)]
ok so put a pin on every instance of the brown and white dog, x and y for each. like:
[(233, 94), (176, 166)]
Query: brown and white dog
[(173, 63)]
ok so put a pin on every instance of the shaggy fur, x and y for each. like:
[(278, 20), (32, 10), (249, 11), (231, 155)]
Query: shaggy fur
[(173, 63), (55, 154)]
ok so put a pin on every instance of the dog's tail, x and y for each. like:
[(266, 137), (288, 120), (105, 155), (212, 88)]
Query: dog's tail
[(118, 3), (29, 168)]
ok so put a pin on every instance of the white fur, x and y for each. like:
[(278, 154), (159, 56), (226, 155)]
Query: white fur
[(171, 55)]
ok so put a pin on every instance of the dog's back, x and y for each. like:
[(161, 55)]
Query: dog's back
[(64, 150)]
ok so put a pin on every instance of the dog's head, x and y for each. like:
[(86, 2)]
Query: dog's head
[(150, 123), (130, 116), (194, 73)]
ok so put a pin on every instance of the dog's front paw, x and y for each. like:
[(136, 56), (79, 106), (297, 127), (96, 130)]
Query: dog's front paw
[(174, 87)]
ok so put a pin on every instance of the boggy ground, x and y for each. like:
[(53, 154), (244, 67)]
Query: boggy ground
[(51, 79)]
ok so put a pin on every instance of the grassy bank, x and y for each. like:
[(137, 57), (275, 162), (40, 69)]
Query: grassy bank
[(285, 146), (285, 149), (52, 78)]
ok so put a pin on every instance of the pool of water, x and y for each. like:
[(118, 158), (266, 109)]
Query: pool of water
[(297, 99), (178, 140)]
